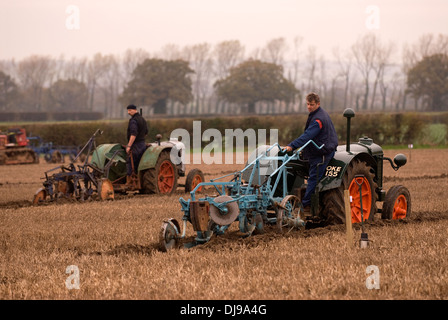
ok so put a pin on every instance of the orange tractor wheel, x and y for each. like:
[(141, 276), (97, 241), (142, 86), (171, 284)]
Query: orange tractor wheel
[(358, 174), (194, 178), (397, 204), (163, 178)]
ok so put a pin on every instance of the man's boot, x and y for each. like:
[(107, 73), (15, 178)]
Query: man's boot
[(306, 211), (132, 182)]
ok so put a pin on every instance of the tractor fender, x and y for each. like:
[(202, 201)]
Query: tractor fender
[(152, 153), (105, 151), (337, 167), (149, 158)]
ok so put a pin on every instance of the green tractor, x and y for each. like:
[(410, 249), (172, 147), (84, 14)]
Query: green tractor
[(269, 189), (105, 173), (358, 168), (158, 172)]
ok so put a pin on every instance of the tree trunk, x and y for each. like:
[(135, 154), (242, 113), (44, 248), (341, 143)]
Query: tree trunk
[(160, 107), (404, 100), (251, 107), (333, 89), (436, 102), (92, 94), (346, 90), (366, 96), (384, 99)]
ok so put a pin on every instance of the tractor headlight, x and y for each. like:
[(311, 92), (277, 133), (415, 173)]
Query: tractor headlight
[(400, 160)]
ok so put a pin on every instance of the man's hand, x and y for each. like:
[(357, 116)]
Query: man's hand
[(130, 143), (288, 148)]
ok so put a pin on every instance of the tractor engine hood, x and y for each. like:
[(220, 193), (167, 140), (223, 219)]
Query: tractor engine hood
[(175, 147), (364, 144), (364, 149)]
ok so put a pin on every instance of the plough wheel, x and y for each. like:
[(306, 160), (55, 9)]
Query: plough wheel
[(169, 235), (194, 178), (105, 189), (397, 204), (40, 196), (288, 213)]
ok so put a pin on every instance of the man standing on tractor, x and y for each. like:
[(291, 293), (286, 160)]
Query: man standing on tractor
[(320, 129), (136, 133)]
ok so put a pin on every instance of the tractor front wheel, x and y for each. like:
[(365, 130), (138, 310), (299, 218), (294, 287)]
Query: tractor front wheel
[(162, 179), (397, 204), (194, 178)]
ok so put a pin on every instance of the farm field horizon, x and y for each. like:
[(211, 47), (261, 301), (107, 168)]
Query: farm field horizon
[(114, 246)]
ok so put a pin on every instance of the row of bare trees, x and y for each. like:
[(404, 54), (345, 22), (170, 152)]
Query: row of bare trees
[(370, 75)]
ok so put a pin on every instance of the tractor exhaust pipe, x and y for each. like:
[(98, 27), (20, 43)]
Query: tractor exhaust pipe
[(348, 113)]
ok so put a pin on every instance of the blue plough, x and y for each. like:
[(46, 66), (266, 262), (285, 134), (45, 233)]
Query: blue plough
[(256, 196)]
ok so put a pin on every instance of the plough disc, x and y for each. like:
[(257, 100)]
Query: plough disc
[(40, 196), (105, 189), (224, 218), (169, 235)]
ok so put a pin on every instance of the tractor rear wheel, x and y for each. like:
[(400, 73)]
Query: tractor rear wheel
[(397, 204), (357, 174), (162, 179)]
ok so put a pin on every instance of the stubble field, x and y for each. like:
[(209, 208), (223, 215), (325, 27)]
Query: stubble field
[(113, 245)]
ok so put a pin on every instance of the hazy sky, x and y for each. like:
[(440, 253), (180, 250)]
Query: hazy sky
[(50, 26)]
